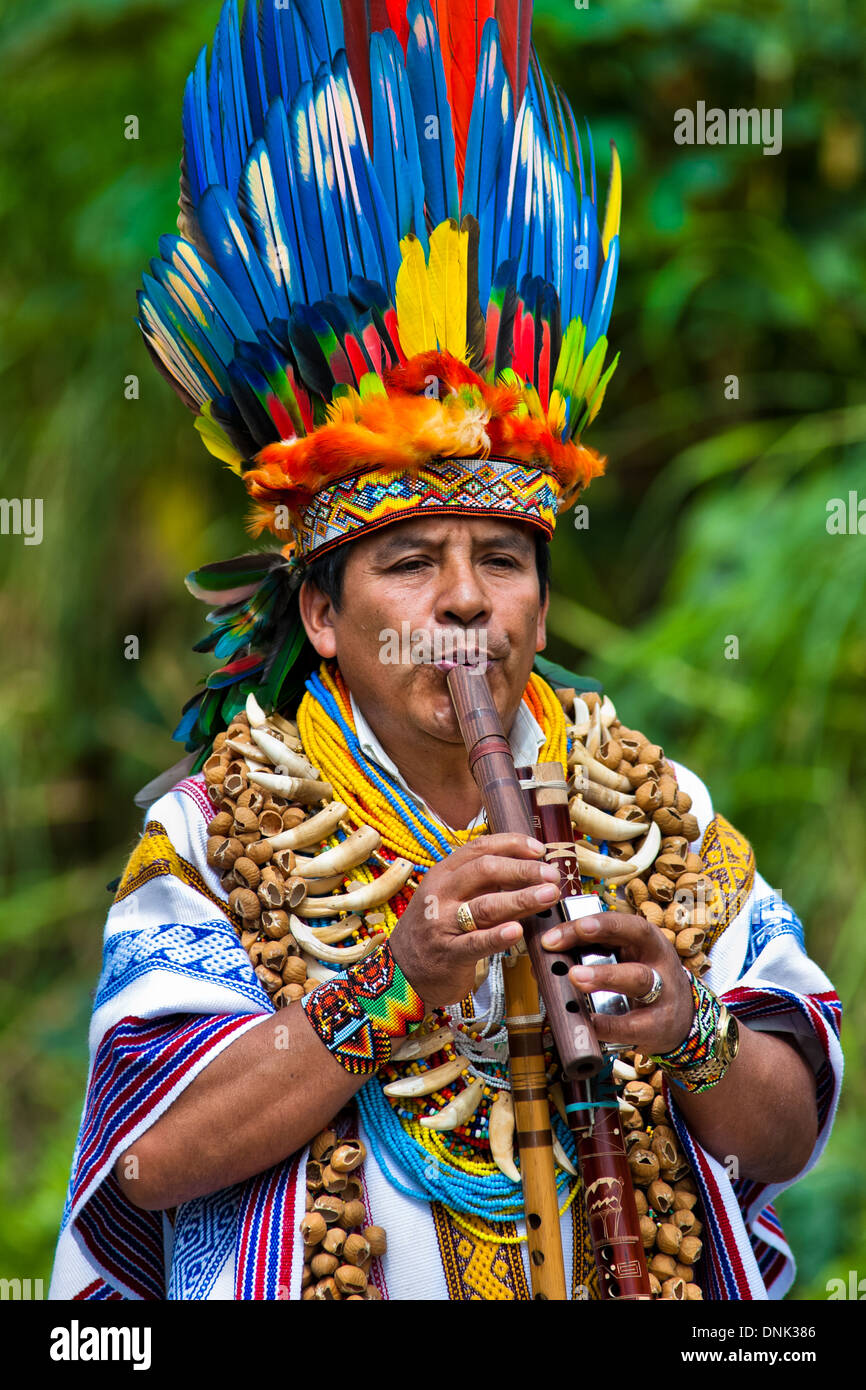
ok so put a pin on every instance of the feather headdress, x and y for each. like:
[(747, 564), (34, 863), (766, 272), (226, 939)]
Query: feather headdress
[(368, 186), (389, 266)]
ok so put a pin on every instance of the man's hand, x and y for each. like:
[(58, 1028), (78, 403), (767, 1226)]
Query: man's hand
[(660, 1027), (501, 878)]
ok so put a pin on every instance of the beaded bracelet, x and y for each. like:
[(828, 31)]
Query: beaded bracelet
[(685, 1063), (359, 1012)]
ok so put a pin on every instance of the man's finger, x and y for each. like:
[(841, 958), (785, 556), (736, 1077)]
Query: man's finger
[(476, 945), (508, 845), (611, 928), (634, 979), (490, 909), (493, 872)]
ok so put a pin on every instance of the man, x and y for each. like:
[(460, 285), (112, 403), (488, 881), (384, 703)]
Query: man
[(421, 501)]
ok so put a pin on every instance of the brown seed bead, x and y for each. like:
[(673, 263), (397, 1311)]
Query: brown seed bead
[(638, 773), (309, 1294), (640, 1202), (664, 1266), (644, 1066), (260, 852), (655, 1286), (667, 790), (246, 821), (669, 1238), (659, 1111), (331, 1180), (330, 1207), (285, 860), (248, 874), (372, 1294), (670, 936), (637, 1139), (672, 865), (248, 939), (647, 1232), (676, 918), (661, 888), (690, 826), (648, 798), (356, 1250), (690, 1250), (314, 1228), (348, 1156), (270, 823), (350, 1279), (234, 786), (292, 817), (685, 1220), (683, 1201), (694, 862), (273, 955), (334, 1241), (652, 912), (294, 992), (665, 1151), (271, 895), (693, 1293), (683, 802), (376, 1239), (294, 971), (354, 1212), (221, 824), (322, 1145), (352, 1191), (223, 853), (306, 1277), (660, 1195), (295, 890), (684, 1272), (244, 902), (651, 753), (268, 979), (256, 951), (327, 1290), (638, 1093), (275, 925), (637, 892), (674, 1289), (644, 1166), (281, 999), (323, 1264)]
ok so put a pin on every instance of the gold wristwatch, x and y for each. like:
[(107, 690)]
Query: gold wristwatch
[(723, 1050)]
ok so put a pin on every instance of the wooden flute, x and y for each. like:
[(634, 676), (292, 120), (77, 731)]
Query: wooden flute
[(612, 1216)]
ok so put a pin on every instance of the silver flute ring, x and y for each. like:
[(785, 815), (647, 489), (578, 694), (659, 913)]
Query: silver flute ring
[(465, 921), (652, 995)]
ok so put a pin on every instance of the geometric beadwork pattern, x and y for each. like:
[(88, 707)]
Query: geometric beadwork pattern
[(449, 487), (729, 861)]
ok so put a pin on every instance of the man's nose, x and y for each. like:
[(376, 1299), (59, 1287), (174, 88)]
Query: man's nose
[(462, 598)]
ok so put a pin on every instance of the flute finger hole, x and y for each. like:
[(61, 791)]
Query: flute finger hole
[(559, 967)]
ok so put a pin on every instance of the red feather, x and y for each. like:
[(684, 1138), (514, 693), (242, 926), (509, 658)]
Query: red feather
[(543, 374), (514, 18), (386, 14), (460, 24), (356, 31)]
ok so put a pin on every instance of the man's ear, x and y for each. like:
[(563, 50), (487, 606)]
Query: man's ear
[(317, 615), (541, 630)]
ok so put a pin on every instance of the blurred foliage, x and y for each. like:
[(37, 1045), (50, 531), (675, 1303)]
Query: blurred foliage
[(711, 524)]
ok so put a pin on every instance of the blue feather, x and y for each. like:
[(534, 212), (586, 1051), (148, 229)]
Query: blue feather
[(184, 258), (378, 233), (170, 325), (279, 145), (235, 256), (259, 204), (432, 114), (196, 307), (389, 145), (590, 240), (603, 303), (201, 162), (516, 224), (492, 115), (323, 241), (410, 139), (254, 72), (230, 125)]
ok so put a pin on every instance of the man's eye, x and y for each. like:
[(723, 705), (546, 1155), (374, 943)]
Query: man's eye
[(508, 561), (409, 566)]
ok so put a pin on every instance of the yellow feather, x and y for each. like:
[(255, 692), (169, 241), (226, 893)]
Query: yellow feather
[(412, 293), (614, 200), (447, 274), (216, 441)]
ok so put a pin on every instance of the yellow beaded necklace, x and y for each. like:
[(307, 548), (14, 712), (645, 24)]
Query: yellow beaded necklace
[(403, 829)]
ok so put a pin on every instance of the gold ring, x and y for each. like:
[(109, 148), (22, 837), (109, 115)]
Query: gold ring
[(465, 921)]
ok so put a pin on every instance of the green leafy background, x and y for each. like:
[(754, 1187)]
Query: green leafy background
[(711, 523)]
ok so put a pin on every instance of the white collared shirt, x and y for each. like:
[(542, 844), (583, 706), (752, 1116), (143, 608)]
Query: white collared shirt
[(526, 741)]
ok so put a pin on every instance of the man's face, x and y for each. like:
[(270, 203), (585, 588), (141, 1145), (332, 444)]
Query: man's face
[(444, 584)]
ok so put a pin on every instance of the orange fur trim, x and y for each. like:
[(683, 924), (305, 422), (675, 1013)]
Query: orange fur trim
[(466, 417)]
